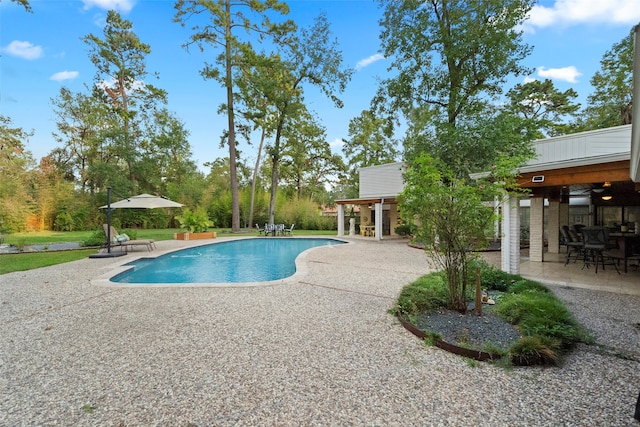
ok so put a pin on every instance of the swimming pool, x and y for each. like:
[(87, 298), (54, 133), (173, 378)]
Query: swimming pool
[(236, 261)]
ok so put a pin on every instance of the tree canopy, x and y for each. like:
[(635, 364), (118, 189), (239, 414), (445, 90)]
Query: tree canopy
[(218, 29), (546, 106), (451, 60), (611, 102)]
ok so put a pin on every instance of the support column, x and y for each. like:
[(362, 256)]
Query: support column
[(554, 226), (378, 223), (510, 247), (564, 211), (340, 220), (496, 223), (536, 229)]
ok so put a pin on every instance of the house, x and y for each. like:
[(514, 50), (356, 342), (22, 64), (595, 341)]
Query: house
[(377, 201), (591, 168), (601, 164)]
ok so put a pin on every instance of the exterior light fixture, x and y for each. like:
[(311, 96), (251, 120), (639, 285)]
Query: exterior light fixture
[(607, 198)]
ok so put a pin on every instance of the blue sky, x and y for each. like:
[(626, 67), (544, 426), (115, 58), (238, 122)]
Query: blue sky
[(43, 51)]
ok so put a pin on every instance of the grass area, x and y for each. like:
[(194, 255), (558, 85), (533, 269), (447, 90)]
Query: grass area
[(30, 260), (27, 261), (546, 326)]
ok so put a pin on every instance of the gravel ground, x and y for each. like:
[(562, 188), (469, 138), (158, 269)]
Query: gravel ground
[(317, 349), (36, 248)]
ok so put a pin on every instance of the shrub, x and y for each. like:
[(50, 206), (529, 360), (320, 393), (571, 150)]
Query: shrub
[(195, 221), (97, 239), (495, 279), (541, 313), (535, 350), (524, 285), (405, 230), (425, 294)]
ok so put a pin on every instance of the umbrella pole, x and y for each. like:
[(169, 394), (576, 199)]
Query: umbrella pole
[(108, 220), (108, 254)]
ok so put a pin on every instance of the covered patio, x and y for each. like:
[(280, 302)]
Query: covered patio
[(379, 215), (588, 169)]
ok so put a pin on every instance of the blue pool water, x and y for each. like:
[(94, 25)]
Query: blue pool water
[(246, 260)]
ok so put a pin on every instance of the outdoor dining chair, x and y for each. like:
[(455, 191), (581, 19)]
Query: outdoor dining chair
[(287, 231), (575, 247), (596, 246)]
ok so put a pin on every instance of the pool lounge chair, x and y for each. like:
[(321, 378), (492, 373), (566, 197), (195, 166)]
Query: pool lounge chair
[(123, 241)]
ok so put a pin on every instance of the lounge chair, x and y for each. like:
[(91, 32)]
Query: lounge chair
[(123, 241), (260, 230)]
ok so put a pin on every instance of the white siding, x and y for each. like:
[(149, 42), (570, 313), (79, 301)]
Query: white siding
[(583, 145), (381, 181)]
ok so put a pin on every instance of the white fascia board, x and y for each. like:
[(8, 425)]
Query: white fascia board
[(585, 161), (634, 169)]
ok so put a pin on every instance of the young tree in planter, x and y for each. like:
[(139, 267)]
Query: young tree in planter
[(452, 215), (452, 60)]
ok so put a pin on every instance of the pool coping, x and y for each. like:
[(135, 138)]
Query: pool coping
[(104, 280)]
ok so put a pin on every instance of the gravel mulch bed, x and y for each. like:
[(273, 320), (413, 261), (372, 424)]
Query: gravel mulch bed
[(469, 329)]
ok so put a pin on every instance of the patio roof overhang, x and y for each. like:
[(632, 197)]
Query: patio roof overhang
[(560, 183), (544, 177), (367, 200)]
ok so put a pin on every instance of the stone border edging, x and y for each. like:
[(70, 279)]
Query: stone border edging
[(479, 355)]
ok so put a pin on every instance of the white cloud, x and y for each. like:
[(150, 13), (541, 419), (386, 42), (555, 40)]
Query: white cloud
[(24, 50), (567, 74), (136, 85), (529, 79), (572, 12), (64, 75), (123, 6), (337, 143), (368, 61)]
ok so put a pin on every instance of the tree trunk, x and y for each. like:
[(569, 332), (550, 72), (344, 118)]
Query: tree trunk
[(274, 187), (233, 173), (255, 178), (275, 164)]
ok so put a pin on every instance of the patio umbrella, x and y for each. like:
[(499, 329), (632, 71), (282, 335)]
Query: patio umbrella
[(143, 201)]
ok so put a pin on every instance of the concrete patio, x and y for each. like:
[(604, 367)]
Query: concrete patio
[(318, 348)]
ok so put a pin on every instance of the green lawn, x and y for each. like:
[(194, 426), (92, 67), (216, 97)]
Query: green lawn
[(31, 260)]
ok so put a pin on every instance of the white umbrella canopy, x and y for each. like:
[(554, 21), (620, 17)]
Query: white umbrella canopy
[(143, 201)]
